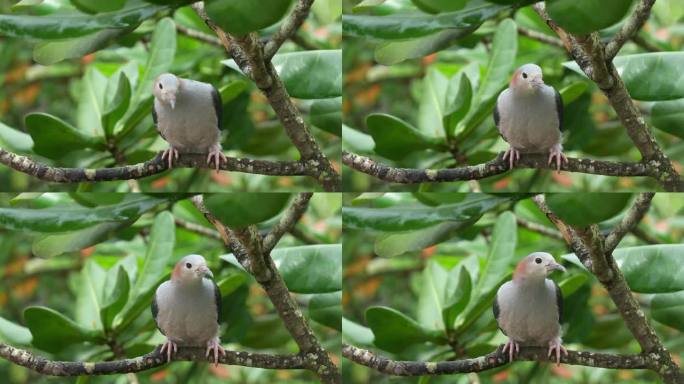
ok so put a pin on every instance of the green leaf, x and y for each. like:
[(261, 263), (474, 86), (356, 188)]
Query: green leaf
[(239, 210), (89, 296), (59, 219), (161, 52), (393, 52), (585, 16), (668, 309), (394, 244), (326, 309), (403, 218), (458, 101), (412, 25), (356, 141), (311, 74), (231, 283), (394, 331), (437, 6), (49, 52), (457, 295), (116, 299), (433, 105), (572, 92), (53, 332), (239, 17), (327, 11), (663, 263), (64, 26), (501, 253), (13, 333), (95, 6), (572, 284), (326, 114), (54, 138), (431, 297), (310, 268), (395, 138), (117, 105), (668, 116), (55, 245), (584, 209), (356, 334), (14, 140), (91, 102)]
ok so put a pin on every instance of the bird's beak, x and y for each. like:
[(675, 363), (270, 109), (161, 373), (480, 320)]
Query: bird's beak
[(205, 271), (553, 266), (172, 102), (537, 81)]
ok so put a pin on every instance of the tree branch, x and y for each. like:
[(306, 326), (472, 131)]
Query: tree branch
[(629, 28), (487, 362), (149, 168), (630, 220), (541, 229), (488, 169), (198, 35), (539, 36), (287, 221), (197, 228), (151, 360), (288, 28)]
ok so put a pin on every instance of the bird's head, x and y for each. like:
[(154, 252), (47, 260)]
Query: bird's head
[(527, 79), (536, 266), (191, 268), (166, 88)]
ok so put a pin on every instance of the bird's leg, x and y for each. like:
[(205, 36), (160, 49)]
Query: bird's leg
[(555, 343), (171, 153), (557, 152), (513, 155), (512, 347), (170, 347), (217, 155), (215, 346)]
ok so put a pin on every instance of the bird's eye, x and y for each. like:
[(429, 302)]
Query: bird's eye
[(537, 260), (524, 77), (161, 86), (188, 265)]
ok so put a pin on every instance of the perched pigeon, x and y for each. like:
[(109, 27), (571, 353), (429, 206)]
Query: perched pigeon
[(529, 308), (529, 116), (187, 114), (187, 308)]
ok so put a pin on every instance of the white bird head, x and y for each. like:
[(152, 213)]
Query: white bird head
[(191, 268), (536, 266), (165, 88), (527, 79)]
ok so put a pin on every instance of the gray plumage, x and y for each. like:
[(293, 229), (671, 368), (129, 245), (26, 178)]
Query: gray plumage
[(529, 116), (188, 115), (529, 309)]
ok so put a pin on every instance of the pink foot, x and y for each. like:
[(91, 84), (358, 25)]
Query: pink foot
[(170, 347), (557, 152), (170, 153), (555, 344), (215, 346), (513, 155), (512, 347), (217, 156)]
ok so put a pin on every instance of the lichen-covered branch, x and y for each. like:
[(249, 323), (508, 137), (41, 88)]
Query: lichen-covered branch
[(631, 26), (487, 362), (287, 221), (149, 168), (288, 28), (630, 220), (488, 169), (142, 363)]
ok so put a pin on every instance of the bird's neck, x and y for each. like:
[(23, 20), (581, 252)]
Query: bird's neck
[(529, 281), (187, 284)]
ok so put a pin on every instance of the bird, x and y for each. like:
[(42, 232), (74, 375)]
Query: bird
[(187, 114), (529, 308), (529, 116), (187, 308)]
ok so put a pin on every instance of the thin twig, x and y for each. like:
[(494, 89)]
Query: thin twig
[(541, 229), (539, 36), (287, 221), (198, 35), (198, 228), (630, 220), (288, 28), (631, 26)]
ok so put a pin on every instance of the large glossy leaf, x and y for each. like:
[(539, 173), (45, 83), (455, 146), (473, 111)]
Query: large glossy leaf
[(403, 218), (393, 52), (95, 6), (240, 17), (114, 301), (583, 209), (668, 309), (50, 52), (501, 253), (326, 309), (652, 268), (398, 243), (89, 296), (668, 116), (116, 104), (586, 16), (13, 333), (326, 114), (60, 219), (242, 209), (310, 268), (431, 297), (161, 52), (14, 140), (437, 6), (395, 138), (54, 138), (395, 331), (57, 244), (53, 332), (457, 296), (412, 25), (64, 26), (91, 102), (355, 333), (433, 103)]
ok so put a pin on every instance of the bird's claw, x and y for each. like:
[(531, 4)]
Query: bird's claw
[(215, 346), (217, 156), (170, 347), (557, 152), (513, 155), (170, 153), (556, 345), (512, 347)]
